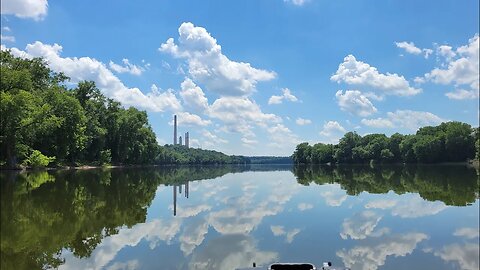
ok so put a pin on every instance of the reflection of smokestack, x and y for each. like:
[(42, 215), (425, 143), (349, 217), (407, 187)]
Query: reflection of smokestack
[(174, 200), (186, 189), (174, 129), (180, 140)]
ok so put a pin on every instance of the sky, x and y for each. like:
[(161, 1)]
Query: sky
[(258, 77)]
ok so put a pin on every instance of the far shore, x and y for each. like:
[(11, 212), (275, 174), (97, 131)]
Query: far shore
[(472, 163)]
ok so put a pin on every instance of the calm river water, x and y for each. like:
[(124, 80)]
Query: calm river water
[(423, 217)]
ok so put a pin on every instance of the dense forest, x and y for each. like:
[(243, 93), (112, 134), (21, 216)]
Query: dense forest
[(447, 142), (46, 123)]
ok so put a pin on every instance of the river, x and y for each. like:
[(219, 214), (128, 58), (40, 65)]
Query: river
[(228, 217)]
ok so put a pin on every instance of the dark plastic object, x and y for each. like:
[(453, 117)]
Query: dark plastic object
[(300, 266)]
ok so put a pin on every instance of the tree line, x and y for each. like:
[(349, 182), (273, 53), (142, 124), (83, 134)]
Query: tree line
[(447, 142), (45, 122)]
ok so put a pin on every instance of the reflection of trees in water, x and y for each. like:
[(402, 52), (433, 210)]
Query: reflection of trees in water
[(44, 212), (454, 185)]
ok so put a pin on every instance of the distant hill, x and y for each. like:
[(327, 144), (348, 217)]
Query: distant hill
[(270, 160)]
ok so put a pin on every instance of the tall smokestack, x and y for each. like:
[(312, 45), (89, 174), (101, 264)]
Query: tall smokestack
[(175, 130), (180, 140), (186, 139)]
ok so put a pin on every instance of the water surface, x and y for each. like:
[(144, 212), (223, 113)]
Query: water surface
[(422, 217)]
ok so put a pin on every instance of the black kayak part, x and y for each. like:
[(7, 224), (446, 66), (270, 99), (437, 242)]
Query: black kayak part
[(292, 266)]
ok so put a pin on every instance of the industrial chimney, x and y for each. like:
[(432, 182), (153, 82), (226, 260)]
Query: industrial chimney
[(175, 130), (180, 140), (187, 139)]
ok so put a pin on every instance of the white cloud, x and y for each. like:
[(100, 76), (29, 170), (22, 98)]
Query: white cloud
[(375, 251), (210, 67), (86, 68), (355, 72), (355, 102), (6, 28), (152, 232), (193, 96), (409, 206), (460, 94), (462, 69), (360, 225), (304, 206), (469, 233), (282, 137), (446, 51), (289, 236), (302, 122), (126, 68), (408, 119), (286, 95), (214, 139), (332, 128), (193, 235), (230, 252), (7, 38), (334, 195), (409, 47), (34, 9), (239, 114), (378, 123), (189, 119), (296, 2), (466, 255), (246, 142), (128, 265)]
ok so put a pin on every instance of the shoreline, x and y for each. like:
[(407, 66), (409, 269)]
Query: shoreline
[(470, 163)]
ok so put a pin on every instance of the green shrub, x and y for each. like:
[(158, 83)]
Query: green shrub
[(38, 160), (105, 157)]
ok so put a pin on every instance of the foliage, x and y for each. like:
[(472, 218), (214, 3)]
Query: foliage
[(38, 160), (78, 125), (447, 142)]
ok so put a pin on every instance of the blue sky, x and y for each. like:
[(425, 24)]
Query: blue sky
[(258, 77)]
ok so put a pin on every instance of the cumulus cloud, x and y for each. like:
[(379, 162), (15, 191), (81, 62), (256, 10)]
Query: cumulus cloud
[(409, 47), (86, 68), (466, 255), (360, 225), (332, 128), (280, 230), (189, 119), (230, 252), (7, 38), (461, 70), (126, 68), (354, 102), (210, 67), (409, 206), (374, 252), (286, 95), (239, 114), (334, 195), (354, 72), (304, 206), (469, 233), (408, 119), (33, 9), (153, 232), (214, 139), (302, 122), (193, 96), (282, 137)]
